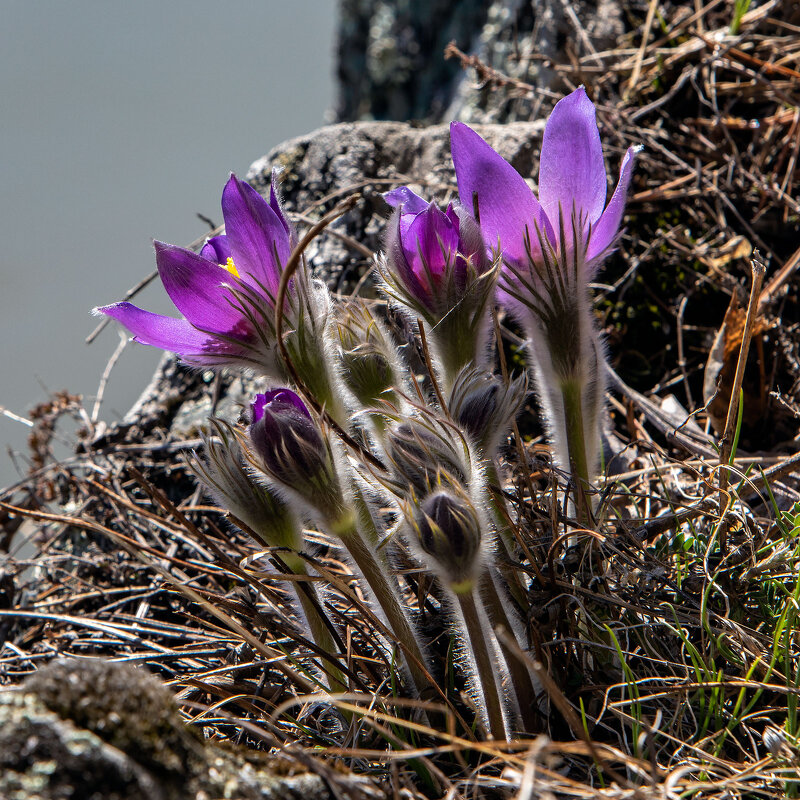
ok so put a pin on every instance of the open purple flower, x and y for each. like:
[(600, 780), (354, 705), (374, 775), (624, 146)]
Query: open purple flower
[(550, 247), (571, 207), (226, 293)]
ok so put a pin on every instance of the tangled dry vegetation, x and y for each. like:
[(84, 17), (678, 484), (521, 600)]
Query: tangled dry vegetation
[(670, 664)]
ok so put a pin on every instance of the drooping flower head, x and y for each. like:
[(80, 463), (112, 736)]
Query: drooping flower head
[(226, 293)]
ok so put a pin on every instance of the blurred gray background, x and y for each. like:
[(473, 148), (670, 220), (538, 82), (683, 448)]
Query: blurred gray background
[(119, 123)]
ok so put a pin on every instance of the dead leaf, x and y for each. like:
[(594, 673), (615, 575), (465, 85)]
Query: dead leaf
[(721, 369)]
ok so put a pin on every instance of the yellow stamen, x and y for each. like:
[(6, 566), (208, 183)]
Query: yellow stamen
[(231, 267)]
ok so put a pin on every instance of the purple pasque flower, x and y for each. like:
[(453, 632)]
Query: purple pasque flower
[(571, 208), (291, 449), (550, 248), (436, 269), (432, 254), (226, 293)]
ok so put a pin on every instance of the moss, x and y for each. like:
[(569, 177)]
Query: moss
[(126, 707), (103, 730)]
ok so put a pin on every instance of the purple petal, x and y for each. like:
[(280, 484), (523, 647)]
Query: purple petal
[(451, 214), (396, 235), (432, 239), (195, 285), (168, 333), (217, 250), (607, 227), (256, 234), (277, 397), (572, 173), (506, 205), (403, 196)]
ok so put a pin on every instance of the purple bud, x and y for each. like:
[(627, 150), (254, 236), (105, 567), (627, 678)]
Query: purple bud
[(431, 255), (225, 475), (292, 450), (272, 402), (448, 530)]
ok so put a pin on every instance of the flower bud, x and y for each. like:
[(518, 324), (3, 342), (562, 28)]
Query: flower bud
[(291, 449), (432, 256), (448, 530), (436, 269), (421, 450), (225, 476), (484, 406), (368, 357)]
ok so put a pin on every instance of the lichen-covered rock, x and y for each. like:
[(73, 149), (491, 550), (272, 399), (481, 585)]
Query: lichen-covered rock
[(100, 730), (128, 708), (43, 756)]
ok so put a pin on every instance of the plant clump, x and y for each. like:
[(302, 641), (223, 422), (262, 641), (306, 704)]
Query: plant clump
[(397, 570)]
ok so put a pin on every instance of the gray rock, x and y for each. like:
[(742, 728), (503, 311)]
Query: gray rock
[(91, 729), (389, 54)]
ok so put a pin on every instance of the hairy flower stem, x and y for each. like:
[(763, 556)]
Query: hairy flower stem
[(307, 596), (310, 364), (366, 523), (318, 625), (576, 449), (521, 681), (457, 345), (479, 639), (505, 537), (453, 354), (346, 530), (320, 632)]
